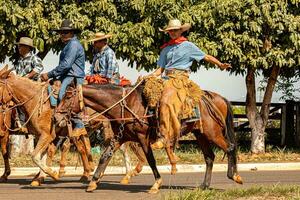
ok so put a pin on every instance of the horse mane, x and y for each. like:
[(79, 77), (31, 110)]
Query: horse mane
[(24, 79)]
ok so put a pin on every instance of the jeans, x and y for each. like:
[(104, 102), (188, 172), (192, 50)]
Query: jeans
[(76, 119)]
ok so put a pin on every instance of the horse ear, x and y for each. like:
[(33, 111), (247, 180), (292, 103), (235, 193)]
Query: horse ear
[(5, 74), (4, 69)]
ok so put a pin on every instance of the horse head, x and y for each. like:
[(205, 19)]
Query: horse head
[(5, 91)]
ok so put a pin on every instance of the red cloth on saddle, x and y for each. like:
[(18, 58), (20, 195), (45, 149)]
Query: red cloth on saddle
[(96, 78), (124, 81), (174, 41)]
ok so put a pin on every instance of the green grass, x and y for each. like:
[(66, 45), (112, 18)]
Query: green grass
[(275, 192)]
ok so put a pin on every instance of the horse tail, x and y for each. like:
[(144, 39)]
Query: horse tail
[(229, 132)]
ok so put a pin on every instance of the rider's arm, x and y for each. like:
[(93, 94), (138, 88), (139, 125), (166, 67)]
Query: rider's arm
[(31, 74), (112, 64), (158, 72), (66, 61), (37, 67), (214, 61)]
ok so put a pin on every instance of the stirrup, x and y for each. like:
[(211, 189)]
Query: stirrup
[(193, 119)]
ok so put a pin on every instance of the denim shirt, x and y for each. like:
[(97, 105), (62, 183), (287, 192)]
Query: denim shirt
[(105, 63), (180, 56), (71, 61)]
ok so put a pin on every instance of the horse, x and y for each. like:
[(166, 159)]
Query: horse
[(36, 106), (128, 108), (93, 125)]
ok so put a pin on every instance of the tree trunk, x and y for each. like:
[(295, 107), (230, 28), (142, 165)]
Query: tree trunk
[(258, 120)]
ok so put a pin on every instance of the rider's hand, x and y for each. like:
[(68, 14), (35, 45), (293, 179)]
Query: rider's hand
[(44, 77), (225, 66)]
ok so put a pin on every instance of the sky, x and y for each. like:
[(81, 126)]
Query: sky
[(230, 86)]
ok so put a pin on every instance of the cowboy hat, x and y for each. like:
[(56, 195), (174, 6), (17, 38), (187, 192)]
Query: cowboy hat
[(100, 36), (26, 41), (67, 25), (175, 24)]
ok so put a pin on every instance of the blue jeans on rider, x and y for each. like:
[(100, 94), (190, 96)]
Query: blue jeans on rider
[(65, 82)]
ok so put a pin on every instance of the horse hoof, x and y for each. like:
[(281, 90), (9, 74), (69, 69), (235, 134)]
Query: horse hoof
[(61, 174), (155, 188), (35, 183), (238, 179), (92, 186), (124, 181), (203, 187), (153, 191), (3, 179), (84, 179), (54, 175), (173, 171)]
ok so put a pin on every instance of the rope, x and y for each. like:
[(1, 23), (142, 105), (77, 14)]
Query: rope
[(40, 104), (140, 82)]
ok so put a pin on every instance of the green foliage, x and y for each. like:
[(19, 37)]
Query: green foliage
[(248, 33)]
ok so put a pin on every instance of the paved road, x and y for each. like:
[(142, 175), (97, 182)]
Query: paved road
[(70, 189)]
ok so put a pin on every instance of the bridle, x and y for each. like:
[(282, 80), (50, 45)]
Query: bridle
[(6, 104)]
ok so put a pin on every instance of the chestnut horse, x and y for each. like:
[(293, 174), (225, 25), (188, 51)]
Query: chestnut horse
[(128, 104), (32, 98)]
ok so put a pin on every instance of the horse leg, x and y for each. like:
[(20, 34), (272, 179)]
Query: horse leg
[(230, 150), (145, 143), (209, 157), (124, 151), (103, 162), (63, 157), (39, 178), (138, 151), (5, 154), (82, 150), (38, 154), (87, 144)]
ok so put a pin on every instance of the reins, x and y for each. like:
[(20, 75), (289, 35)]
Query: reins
[(121, 102), (38, 105)]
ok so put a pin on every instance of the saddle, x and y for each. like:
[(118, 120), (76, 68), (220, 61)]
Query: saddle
[(72, 103)]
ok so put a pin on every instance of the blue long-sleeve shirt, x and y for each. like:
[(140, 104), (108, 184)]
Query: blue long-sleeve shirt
[(71, 61)]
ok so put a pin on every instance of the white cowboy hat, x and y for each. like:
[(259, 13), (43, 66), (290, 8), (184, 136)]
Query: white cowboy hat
[(100, 36), (175, 24), (26, 41)]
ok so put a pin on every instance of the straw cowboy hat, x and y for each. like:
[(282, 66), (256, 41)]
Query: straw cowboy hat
[(100, 36), (26, 41), (175, 24), (67, 25)]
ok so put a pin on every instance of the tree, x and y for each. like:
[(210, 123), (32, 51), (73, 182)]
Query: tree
[(254, 35)]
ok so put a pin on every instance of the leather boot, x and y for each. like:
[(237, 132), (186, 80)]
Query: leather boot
[(77, 132)]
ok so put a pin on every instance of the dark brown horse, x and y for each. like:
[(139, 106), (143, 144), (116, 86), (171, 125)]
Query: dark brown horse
[(140, 129)]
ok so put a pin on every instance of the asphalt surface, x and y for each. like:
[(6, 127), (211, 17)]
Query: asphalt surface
[(68, 188)]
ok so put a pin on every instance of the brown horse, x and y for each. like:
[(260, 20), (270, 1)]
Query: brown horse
[(140, 129), (36, 106)]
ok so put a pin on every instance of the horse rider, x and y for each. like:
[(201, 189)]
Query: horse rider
[(104, 61), (30, 66), (69, 70), (176, 58)]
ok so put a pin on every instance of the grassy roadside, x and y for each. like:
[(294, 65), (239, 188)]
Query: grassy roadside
[(187, 154), (275, 192)]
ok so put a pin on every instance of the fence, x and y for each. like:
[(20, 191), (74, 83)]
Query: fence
[(287, 114)]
